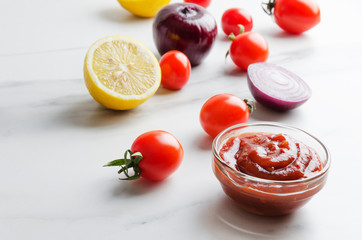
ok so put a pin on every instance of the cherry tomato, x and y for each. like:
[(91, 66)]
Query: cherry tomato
[(295, 16), (162, 154), (222, 111), (248, 48), (233, 17), (154, 156), (204, 3), (175, 69)]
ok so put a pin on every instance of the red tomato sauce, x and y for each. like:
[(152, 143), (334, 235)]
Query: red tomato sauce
[(271, 156), (276, 157)]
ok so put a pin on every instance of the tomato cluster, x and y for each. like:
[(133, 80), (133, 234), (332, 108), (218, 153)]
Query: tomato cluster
[(248, 47), (155, 155)]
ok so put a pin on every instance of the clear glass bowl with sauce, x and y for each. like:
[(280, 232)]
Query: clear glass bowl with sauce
[(264, 196)]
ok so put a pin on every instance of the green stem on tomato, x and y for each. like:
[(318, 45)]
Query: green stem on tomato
[(232, 37), (242, 30), (227, 54), (130, 160), (268, 7), (250, 104)]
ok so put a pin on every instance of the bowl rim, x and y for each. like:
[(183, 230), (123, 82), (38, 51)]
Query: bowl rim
[(322, 173)]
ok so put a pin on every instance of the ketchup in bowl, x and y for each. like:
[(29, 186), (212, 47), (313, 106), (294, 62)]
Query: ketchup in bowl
[(269, 169)]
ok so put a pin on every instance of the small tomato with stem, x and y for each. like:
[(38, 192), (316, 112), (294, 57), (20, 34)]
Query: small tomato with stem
[(294, 16), (154, 156), (248, 48), (224, 110)]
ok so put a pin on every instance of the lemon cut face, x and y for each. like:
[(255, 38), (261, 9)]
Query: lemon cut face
[(121, 73)]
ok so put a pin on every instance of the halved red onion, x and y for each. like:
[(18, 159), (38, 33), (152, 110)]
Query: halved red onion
[(276, 87)]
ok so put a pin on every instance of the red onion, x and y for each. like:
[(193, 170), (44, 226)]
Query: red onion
[(276, 87), (185, 27)]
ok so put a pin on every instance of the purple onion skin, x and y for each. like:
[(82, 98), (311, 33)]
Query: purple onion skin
[(271, 102), (275, 103), (185, 27)]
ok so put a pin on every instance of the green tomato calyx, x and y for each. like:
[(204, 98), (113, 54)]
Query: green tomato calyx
[(130, 160)]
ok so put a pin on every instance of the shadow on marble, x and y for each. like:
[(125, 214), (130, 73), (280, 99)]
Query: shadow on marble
[(227, 218), (119, 15), (268, 32), (164, 91), (91, 114), (203, 141), (262, 113), (285, 35), (233, 70), (136, 188), (299, 39), (223, 37)]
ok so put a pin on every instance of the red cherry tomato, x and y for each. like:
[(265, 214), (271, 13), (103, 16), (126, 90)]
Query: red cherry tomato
[(233, 17), (204, 3), (295, 16), (175, 69), (222, 111), (154, 156), (248, 48), (162, 154)]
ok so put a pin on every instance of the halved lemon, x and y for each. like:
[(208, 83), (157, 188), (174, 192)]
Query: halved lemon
[(121, 73), (143, 8)]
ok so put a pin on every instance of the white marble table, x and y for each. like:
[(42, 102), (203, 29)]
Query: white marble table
[(54, 138)]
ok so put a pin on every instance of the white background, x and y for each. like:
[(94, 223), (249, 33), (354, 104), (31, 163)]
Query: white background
[(54, 138)]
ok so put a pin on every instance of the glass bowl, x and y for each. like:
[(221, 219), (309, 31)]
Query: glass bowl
[(262, 196)]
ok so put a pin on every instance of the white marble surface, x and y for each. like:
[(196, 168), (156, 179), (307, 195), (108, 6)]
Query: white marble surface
[(54, 138)]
